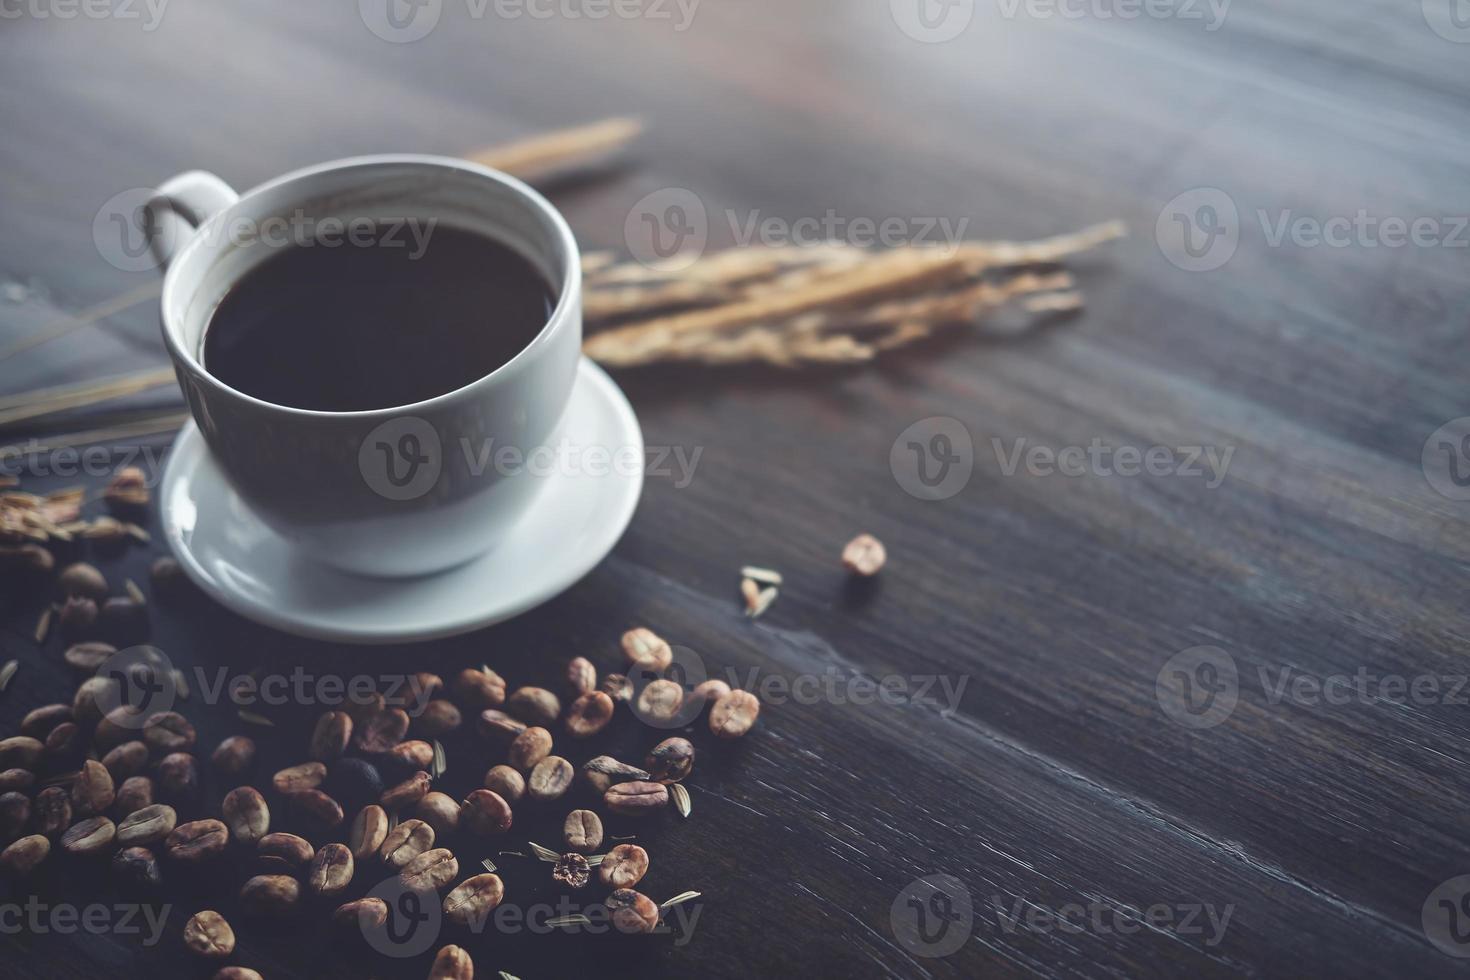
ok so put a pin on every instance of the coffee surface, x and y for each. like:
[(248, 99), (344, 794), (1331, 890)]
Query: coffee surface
[(359, 327)]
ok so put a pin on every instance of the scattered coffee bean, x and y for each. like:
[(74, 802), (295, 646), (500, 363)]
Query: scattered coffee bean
[(135, 793), (331, 736), (647, 650), (362, 707), (581, 676), (78, 618), (405, 842), (270, 895), (207, 934), (51, 811), (196, 842), (177, 779), (353, 782), (420, 687), (126, 760), (234, 755), (298, 779), (20, 752), (623, 866), (589, 714), (32, 564), (452, 963), (92, 693), (572, 870), (168, 731), (438, 719), (406, 793), (380, 731), (81, 579), (167, 577), (659, 702), (24, 856), (617, 687), (472, 900), (431, 870), (550, 780), (864, 555), (93, 791), (498, 724), (137, 868), (582, 831), (440, 811), (121, 619), (121, 724), (64, 745), (529, 748), (294, 851), (415, 754), (705, 694), (39, 722), (321, 810), (15, 813), (734, 714), (632, 912), (236, 973), (670, 761), (365, 913), (246, 814), (534, 706), (147, 826), (478, 689), (331, 870), (16, 779), (369, 828), (636, 799), (506, 781), (92, 836), (88, 658), (485, 813)]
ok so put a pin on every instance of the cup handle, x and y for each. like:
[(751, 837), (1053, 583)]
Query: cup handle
[(179, 206)]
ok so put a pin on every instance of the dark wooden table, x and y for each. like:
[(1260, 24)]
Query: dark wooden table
[(1058, 761)]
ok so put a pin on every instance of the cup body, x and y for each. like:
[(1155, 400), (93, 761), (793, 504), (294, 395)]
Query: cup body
[(403, 490)]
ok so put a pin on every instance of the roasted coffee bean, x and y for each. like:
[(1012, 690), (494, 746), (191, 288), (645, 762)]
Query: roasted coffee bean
[(362, 707), (137, 868), (135, 793), (473, 899), (670, 761), (147, 826), (405, 842), (534, 706), (485, 813), (636, 799), (298, 779), (87, 658), (167, 577), (31, 564), (64, 745), (234, 755), (270, 895), (353, 782), (122, 619), (734, 714), (16, 779), (646, 650), (331, 736), (406, 793), (207, 934), (506, 781), (83, 580), (452, 963), (659, 702), (704, 694), (414, 754), (617, 687), (589, 714), (24, 856), (92, 693), (168, 731), (51, 811), (121, 724), (365, 913), (478, 689), (369, 828), (295, 851), (40, 722), (20, 752), (632, 912), (92, 836), (246, 814), (318, 808), (197, 841), (236, 973), (93, 791), (380, 731), (15, 813), (430, 871), (331, 870), (126, 760), (550, 780), (177, 779), (78, 618), (623, 866), (572, 870), (419, 688), (440, 811), (499, 725), (582, 831), (581, 676), (438, 719), (529, 748)]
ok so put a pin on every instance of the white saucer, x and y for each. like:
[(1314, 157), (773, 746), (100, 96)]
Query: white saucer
[(573, 524)]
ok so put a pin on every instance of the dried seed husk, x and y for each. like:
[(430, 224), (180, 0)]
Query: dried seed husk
[(764, 576), (679, 796), (762, 602), (137, 868), (572, 870)]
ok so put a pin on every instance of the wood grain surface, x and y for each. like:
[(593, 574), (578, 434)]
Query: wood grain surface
[(1311, 830)]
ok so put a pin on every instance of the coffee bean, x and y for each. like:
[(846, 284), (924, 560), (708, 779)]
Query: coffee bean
[(529, 748), (137, 868), (234, 755), (472, 900), (589, 714), (87, 658), (550, 780), (380, 731), (369, 829), (92, 836), (38, 723), (366, 913), (646, 650), (135, 793), (81, 579), (64, 745), (318, 808), (632, 912), (670, 761), (353, 782), (246, 814), (659, 702), (418, 688), (24, 856), (121, 619), (572, 870), (477, 690), (30, 564), (734, 714), (534, 706), (499, 725), (295, 851), (147, 826), (706, 693), (16, 779), (92, 792), (92, 693), (438, 719), (506, 781), (406, 793), (177, 779), (168, 731), (415, 754), (20, 752), (167, 577), (430, 871), (617, 687), (623, 866), (636, 799), (331, 870), (452, 963), (51, 811), (582, 831), (121, 724), (440, 811), (236, 973), (15, 813), (270, 895), (196, 842), (405, 842), (331, 736), (485, 813), (78, 618), (581, 676), (126, 760), (360, 708), (298, 779), (207, 934)]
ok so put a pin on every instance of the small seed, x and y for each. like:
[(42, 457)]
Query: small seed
[(405, 842), (331, 870), (91, 836), (506, 781), (319, 808), (207, 934), (294, 851), (126, 760), (498, 725), (299, 779), (763, 600), (15, 813), (473, 899), (647, 650), (135, 793), (453, 963), (430, 871), (632, 912), (581, 676), (51, 811), (624, 866), (24, 856), (331, 736), (234, 755), (197, 841), (864, 555), (369, 829), (617, 687), (765, 576), (479, 689), (589, 714), (659, 702), (270, 895), (414, 754), (406, 793), (734, 714), (572, 870), (438, 719), (550, 780), (168, 731), (751, 593), (582, 831), (637, 798), (485, 813), (93, 791), (366, 913), (680, 798), (20, 752), (534, 705), (670, 761), (178, 779), (380, 731), (40, 722), (137, 867), (149, 825), (440, 811), (246, 814)]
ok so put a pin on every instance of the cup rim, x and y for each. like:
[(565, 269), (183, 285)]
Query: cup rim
[(568, 295)]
